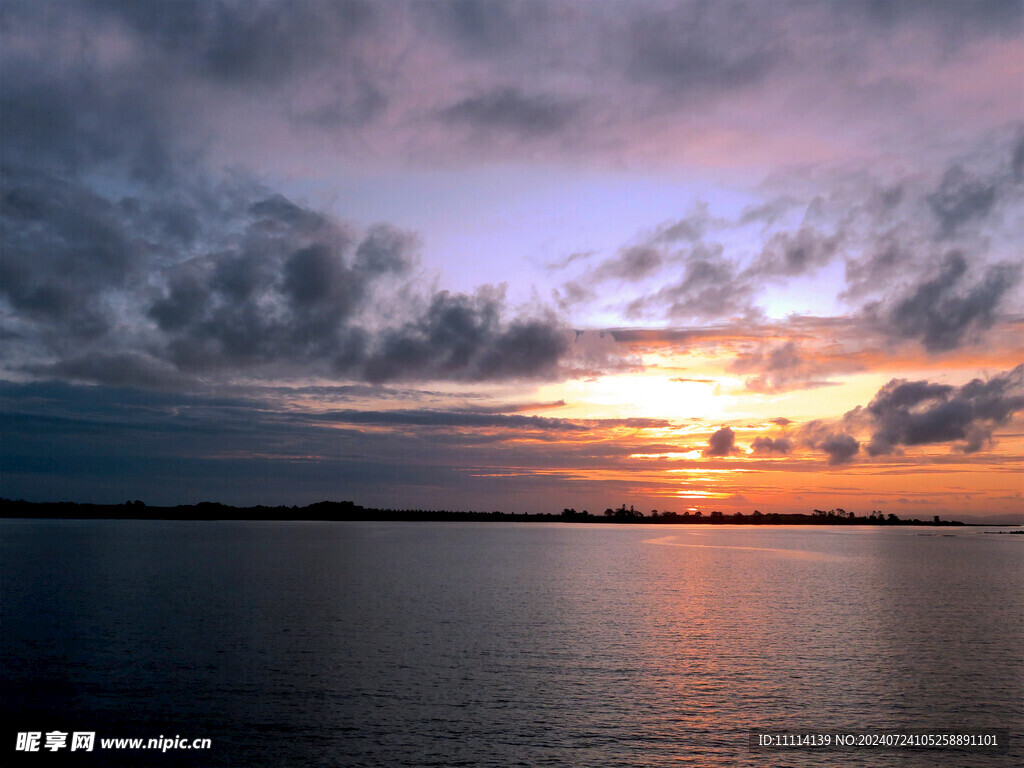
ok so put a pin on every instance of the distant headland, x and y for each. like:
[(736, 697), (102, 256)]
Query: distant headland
[(348, 510)]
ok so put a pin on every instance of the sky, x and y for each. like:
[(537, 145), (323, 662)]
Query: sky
[(517, 256)]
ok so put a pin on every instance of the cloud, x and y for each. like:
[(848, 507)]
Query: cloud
[(222, 276), (881, 262), (977, 16), (62, 120), (710, 288), (910, 413), (241, 44), (486, 29), (944, 286), (782, 368), (510, 109), (63, 245), (697, 281), (463, 337), (290, 289), (690, 228), (911, 279), (721, 443), (117, 369), (264, 445), (572, 294), (683, 54), (792, 254), (633, 263), (841, 447), (152, 83), (764, 445), (960, 198), (1017, 161), (452, 419), (948, 309), (233, 277)]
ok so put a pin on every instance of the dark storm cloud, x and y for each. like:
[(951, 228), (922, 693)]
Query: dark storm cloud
[(294, 292), (949, 308), (721, 443), (764, 446), (462, 337), (286, 292), (62, 246), (511, 109), (908, 413), (215, 279)]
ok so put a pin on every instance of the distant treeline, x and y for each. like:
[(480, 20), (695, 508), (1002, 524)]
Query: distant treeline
[(347, 510)]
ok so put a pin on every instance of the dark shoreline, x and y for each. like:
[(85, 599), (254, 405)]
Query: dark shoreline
[(349, 511)]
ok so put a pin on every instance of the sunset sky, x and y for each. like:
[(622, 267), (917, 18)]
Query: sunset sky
[(515, 255)]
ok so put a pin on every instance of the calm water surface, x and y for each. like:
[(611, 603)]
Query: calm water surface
[(484, 644)]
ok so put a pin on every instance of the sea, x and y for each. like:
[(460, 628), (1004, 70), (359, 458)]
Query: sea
[(280, 644)]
